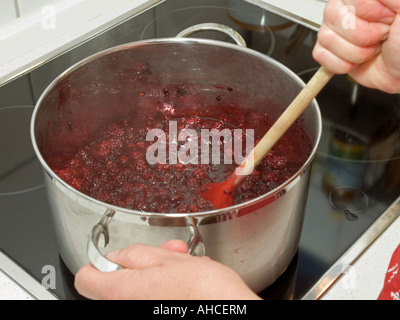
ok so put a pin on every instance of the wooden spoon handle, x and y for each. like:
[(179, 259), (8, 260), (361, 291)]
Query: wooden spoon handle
[(288, 117)]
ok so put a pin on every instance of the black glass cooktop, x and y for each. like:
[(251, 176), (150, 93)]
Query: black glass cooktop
[(354, 175)]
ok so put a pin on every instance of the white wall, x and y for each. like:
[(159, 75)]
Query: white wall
[(8, 11), (12, 9), (26, 6)]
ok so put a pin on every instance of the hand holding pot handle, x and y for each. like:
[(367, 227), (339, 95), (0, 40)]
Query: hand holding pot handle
[(95, 256), (195, 243)]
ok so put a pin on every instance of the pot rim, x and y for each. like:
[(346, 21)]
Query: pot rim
[(284, 186)]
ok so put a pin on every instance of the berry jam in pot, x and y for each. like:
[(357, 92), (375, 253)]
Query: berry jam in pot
[(124, 165)]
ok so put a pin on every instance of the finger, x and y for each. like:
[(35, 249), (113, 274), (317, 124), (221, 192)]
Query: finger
[(116, 285), (393, 5), (94, 284), (344, 49), (331, 61), (175, 245), (372, 10), (140, 256), (344, 21)]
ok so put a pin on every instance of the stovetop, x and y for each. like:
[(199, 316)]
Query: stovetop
[(354, 175)]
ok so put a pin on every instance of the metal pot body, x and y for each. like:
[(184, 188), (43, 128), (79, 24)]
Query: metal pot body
[(259, 238)]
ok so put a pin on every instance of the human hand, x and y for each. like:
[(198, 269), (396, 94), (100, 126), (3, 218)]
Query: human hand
[(362, 38), (162, 273)]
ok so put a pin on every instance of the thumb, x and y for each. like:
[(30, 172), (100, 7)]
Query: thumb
[(141, 256)]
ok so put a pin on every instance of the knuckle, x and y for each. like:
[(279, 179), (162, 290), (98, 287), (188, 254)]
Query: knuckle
[(363, 39), (326, 36)]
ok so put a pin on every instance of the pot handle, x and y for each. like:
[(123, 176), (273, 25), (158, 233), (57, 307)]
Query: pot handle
[(213, 27), (96, 258)]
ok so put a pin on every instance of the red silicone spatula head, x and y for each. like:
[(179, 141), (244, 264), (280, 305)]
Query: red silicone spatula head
[(222, 194)]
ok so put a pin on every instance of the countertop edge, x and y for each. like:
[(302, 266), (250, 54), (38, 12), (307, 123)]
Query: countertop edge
[(17, 284), (359, 273), (309, 13), (27, 43)]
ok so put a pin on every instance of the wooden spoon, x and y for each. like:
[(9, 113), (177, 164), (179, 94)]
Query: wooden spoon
[(222, 194)]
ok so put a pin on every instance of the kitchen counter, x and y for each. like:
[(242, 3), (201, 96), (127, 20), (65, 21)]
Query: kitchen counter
[(359, 274), (364, 280), (27, 288), (10, 290)]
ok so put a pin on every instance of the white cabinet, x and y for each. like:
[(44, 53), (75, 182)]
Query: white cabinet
[(13, 9), (27, 6), (8, 11)]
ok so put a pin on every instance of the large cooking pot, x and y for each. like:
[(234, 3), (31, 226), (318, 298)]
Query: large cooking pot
[(258, 239)]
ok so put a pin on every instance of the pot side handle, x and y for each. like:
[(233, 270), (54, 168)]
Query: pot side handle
[(96, 258), (213, 27), (100, 262)]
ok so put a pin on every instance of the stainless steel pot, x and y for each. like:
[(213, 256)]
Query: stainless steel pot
[(258, 239)]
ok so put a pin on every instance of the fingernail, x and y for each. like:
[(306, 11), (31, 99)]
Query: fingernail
[(385, 37), (110, 255)]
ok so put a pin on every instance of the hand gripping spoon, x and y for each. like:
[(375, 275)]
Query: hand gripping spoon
[(222, 194)]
